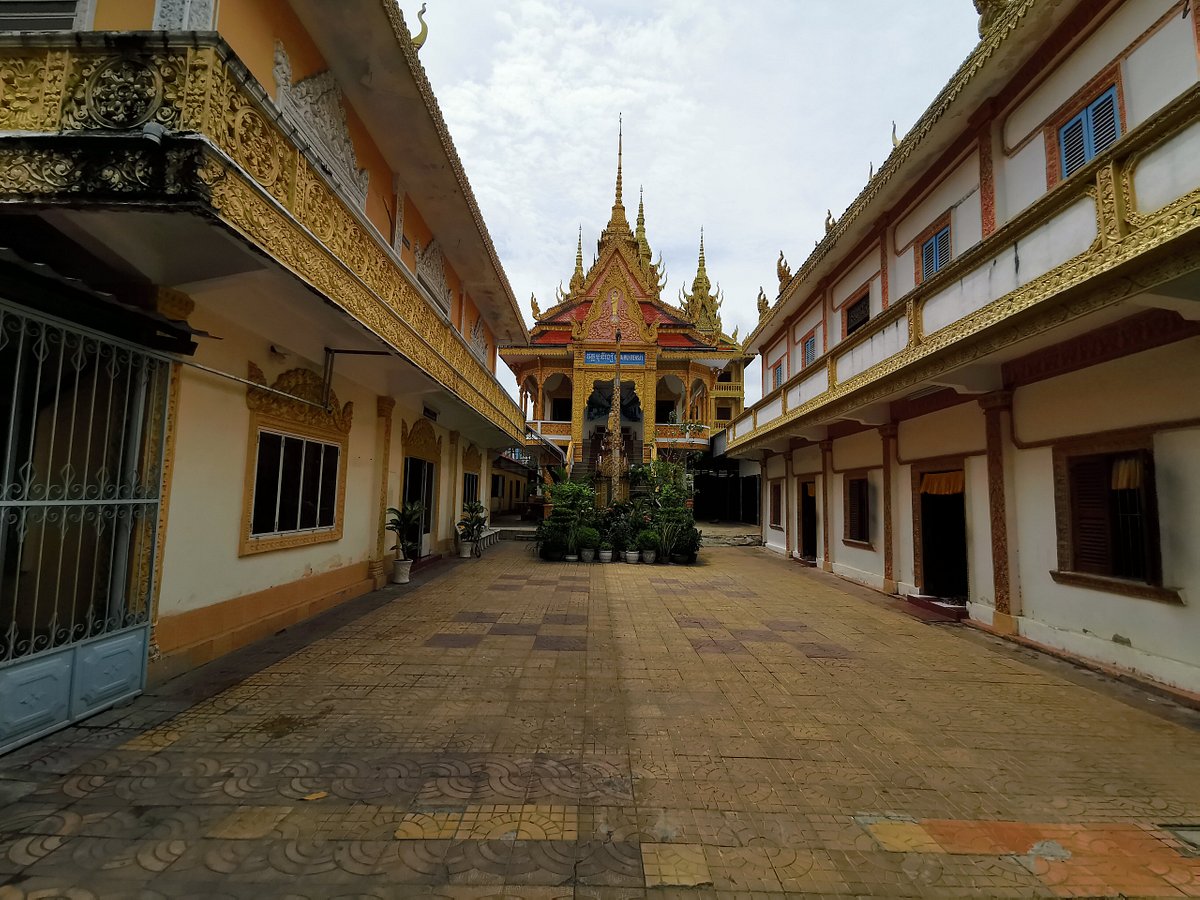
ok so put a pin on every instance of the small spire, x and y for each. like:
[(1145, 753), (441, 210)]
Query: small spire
[(618, 225), (577, 277), (620, 150), (701, 248), (645, 254)]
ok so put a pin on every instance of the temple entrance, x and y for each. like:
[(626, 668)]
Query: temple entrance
[(595, 423), (943, 535), (808, 521)]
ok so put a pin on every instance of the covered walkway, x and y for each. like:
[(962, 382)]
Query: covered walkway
[(599, 731)]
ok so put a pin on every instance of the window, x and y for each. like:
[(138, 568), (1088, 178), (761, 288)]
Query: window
[(725, 376), (777, 504), (470, 487), (724, 413), (498, 486), (935, 253), (560, 409), (1091, 132), (664, 411), (777, 375), (295, 485), (858, 510), (37, 15), (810, 342), (858, 314), (1113, 519)]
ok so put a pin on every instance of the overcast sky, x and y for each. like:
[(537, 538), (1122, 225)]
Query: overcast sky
[(750, 119)]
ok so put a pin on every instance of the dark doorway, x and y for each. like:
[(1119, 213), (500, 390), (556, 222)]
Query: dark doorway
[(808, 520), (944, 535)]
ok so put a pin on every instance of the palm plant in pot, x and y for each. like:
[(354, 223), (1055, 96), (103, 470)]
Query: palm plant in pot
[(470, 529), (405, 523)]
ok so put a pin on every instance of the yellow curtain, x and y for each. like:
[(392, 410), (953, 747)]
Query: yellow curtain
[(942, 482), (812, 489), (1127, 473)]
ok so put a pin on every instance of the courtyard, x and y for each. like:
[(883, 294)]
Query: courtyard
[(512, 727)]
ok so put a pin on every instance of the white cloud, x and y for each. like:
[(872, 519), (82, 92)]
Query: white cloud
[(749, 119)]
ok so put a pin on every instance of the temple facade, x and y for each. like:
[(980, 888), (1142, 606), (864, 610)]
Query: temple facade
[(679, 374), (981, 390)]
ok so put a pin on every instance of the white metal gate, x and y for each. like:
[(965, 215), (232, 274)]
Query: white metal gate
[(82, 423)]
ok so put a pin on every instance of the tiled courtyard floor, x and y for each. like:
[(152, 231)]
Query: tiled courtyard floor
[(531, 729)]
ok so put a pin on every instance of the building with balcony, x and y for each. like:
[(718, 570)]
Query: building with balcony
[(680, 375), (248, 302), (983, 385)]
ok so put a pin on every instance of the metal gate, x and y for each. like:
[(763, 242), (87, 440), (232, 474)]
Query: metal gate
[(82, 423)]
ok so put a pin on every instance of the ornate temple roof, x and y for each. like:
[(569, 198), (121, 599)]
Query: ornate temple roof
[(626, 275)]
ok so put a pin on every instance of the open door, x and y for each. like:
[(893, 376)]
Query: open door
[(944, 535), (418, 487), (808, 520)]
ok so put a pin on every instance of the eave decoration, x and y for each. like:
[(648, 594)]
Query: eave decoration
[(313, 106)]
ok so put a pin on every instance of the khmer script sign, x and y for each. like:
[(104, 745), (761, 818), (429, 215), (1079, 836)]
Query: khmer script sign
[(609, 358)]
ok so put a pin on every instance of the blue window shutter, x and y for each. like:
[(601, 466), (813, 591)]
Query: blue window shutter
[(1104, 121), (810, 350), (929, 258), (1073, 141), (943, 248)]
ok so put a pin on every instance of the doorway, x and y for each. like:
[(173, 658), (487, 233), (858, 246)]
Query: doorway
[(418, 488), (808, 520), (944, 535)]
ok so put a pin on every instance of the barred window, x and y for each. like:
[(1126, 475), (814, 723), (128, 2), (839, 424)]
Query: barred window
[(470, 487), (858, 314), (295, 484)]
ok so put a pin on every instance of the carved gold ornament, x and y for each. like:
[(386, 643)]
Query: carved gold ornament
[(420, 441), (308, 387), (124, 93)]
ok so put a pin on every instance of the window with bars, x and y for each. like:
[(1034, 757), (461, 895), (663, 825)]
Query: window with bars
[(470, 487), (777, 375), (498, 486), (1114, 520), (858, 510), (810, 345), (1092, 131), (295, 485), (935, 253), (37, 15), (858, 314)]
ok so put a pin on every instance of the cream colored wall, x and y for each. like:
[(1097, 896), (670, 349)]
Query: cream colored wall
[(956, 429), (846, 287), (858, 451), (953, 189), (1156, 639), (808, 322), (857, 563), (201, 565), (1160, 69), (1168, 171)]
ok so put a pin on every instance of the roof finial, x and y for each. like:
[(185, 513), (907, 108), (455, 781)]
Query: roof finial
[(577, 278), (701, 247), (419, 41), (620, 149)]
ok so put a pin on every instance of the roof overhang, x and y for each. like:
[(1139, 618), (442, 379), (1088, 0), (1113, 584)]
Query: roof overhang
[(369, 49)]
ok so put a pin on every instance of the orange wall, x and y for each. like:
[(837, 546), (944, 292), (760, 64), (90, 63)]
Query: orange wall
[(124, 15), (381, 195), (416, 231), (252, 26)]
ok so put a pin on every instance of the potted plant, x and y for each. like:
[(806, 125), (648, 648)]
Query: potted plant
[(606, 551), (687, 548), (589, 540), (550, 542), (470, 529), (648, 544), (405, 522)]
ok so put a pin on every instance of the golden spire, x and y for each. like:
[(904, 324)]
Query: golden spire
[(618, 225), (645, 256), (577, 278), (702, 305)]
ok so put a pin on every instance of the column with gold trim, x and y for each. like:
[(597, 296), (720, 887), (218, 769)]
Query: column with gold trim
[(384, 406)]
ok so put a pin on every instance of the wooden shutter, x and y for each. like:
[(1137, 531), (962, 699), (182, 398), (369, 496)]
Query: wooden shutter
[(1091, 511), (942, 239), (1073, 143), (857, 512), (1150, 513), (929, 258), (1104, 122)]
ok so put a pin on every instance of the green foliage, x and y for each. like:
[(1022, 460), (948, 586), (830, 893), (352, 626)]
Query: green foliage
[(574, 509), (648, 540), (589, 537), (471, 525), (405, 523)]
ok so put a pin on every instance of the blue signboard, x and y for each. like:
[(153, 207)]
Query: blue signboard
[(609, 358)]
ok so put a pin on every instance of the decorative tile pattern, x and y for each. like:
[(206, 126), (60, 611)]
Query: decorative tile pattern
[(740, 728)]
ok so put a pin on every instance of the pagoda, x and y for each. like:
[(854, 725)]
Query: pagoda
[(675, 374)]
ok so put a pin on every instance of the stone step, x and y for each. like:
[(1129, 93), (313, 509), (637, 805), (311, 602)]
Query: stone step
[(518, 534)]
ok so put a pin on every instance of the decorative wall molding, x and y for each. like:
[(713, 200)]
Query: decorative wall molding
[(184, 15), (431, 270), (421, 441), (478, 339), (473, 459), (309, 388), (313, 106)]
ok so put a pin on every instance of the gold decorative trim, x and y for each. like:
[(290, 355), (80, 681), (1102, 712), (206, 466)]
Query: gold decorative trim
[(473, 460), (384, 408), (421, 442), (164, 500), (308, 387)]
